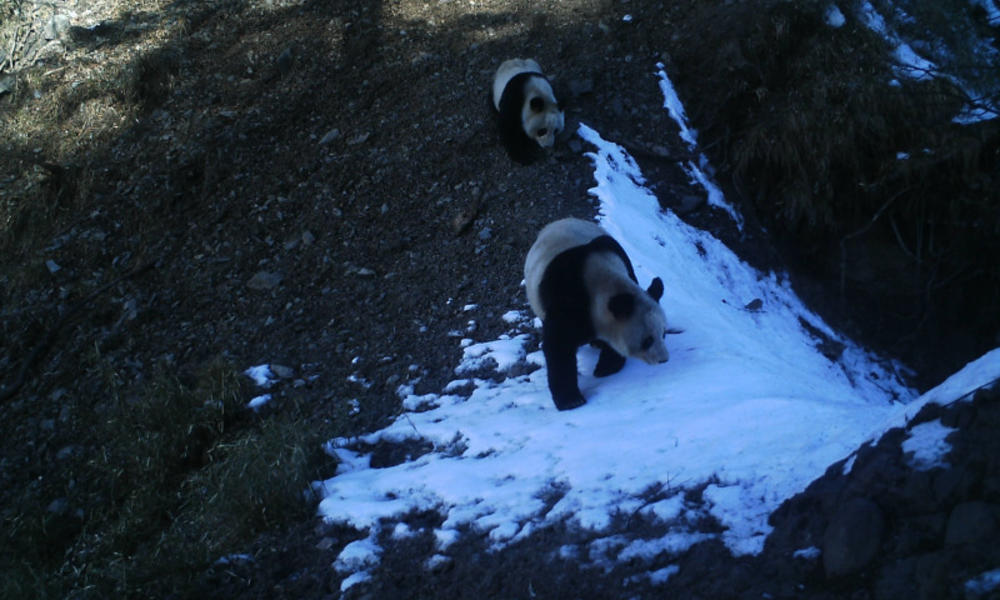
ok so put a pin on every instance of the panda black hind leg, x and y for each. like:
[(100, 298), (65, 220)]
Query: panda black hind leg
[(560, 360), (609, 362)]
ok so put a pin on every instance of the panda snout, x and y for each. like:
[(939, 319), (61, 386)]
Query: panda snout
[(654, 356), (659, 355)]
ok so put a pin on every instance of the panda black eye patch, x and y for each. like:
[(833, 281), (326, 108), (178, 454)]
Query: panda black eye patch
[(537, 104), (647, 342), (542, 131)]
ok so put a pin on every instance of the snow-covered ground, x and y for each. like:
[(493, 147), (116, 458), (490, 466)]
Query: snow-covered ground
[(909, 63), (759, 397)]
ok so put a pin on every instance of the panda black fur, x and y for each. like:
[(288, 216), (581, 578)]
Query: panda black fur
[(528, 113), (582, 286)]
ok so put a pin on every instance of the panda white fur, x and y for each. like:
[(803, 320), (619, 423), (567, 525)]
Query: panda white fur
[(528, 113), (582, 286)]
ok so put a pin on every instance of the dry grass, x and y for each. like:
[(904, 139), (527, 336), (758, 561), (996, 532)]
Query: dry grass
[(863, 171), (170, 478)]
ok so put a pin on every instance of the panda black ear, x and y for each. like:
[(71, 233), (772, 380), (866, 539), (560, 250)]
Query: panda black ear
[(622, 306), (537, 104), (656, 289)]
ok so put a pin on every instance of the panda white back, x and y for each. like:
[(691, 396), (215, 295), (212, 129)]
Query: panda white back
[(554, 239), (509, 69)]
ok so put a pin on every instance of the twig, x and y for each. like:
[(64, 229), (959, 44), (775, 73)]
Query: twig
[(56, 70)]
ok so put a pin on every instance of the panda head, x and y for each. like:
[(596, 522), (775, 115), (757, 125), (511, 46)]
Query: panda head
[(634, 324), (541, 117)]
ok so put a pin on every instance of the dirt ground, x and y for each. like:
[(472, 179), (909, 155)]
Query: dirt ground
[(316, 184)]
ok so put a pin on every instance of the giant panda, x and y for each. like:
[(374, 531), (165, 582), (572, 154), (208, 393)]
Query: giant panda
[(582, 286), (527, 111)]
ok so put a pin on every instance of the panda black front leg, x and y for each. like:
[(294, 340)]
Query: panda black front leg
[(609, 362), (560, 360)]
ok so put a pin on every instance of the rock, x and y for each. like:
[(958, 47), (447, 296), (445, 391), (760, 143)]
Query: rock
[(361, 271), (68, 452), (56, 28), (361, 138), (7, 83), (853, 537), (285, 61), (264, 280), (466, 216), (330, 136), (282, 371), (59, 506), (689, 203), (326, 543), (971, 522)]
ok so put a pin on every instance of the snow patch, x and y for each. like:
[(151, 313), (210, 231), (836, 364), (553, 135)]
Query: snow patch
[(699, 171), (928, 445), (749, 410)]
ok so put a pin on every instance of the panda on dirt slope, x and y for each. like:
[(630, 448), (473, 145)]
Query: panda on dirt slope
[(582, 286), (528, 114)]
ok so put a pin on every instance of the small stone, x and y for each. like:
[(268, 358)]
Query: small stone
[(282, 371), (754, 305), (308, 238), (325, 543), (361, 138), (264, 280), (689, 203), (52, 266), (465, 217), (485, 234), (56, 28), (59, 506), (971, 522), (285, 61), (853, 537), (67, 452), (7, 84), (329, 137), (661, 151)]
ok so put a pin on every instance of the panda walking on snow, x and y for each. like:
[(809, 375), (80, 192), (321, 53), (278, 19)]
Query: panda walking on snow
[(582, 286), (528, 113)]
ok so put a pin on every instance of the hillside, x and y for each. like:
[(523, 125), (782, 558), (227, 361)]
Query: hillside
[(191, 188)]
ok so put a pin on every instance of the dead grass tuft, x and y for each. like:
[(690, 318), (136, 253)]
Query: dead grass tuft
[(862, 170), (172, 476)]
